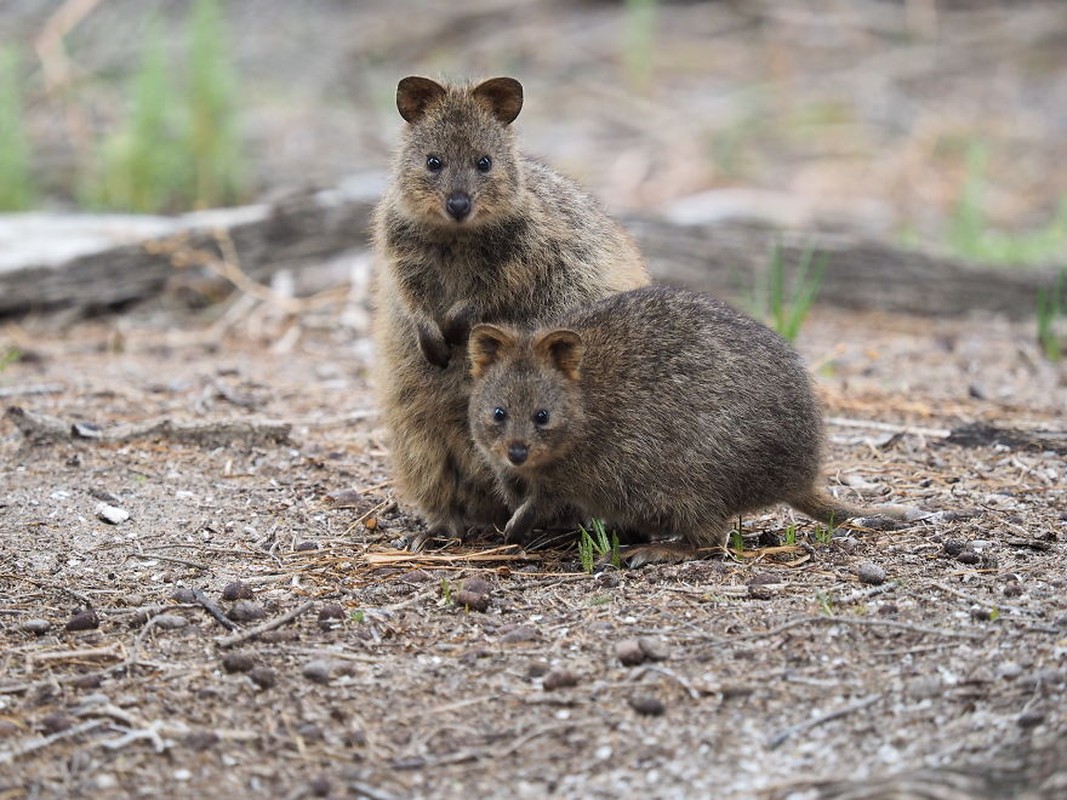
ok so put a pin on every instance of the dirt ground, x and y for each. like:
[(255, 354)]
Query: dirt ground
[(392, 683), (929, 662)]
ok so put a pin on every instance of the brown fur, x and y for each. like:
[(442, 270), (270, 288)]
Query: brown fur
[(531, 246), (660, 410)]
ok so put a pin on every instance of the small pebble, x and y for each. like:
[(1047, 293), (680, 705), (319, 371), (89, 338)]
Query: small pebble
[(263, 677), (320, 786), (237, 590), (559, 679), (170, 622), (520, 633), (246, 611), (630, 652), (237, 662), (536, 669), (83, 620), (871, 573), (1013, 589), (113, 515), (653, 649), (55, 722), (477, 586), (318, 671), (981, 614), (968, 557), (1010, 670), (305, 546), (183, 595), (310, 732), (760, 591), (36, 626), (201, 740), (647, 705), (330, 611), (1030, 719), (8, 729), (953, 547), (471, 600)]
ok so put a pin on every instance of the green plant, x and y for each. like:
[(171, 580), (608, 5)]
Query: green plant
[(1049, 311), (446, 591), (970, 235), (213, 140), (785, 310), (789, 538), (9, 356), (179, 146), (596, 544), (140, 168), (824, 534), (640, 33), (826, 603), (737, 541), (358, 615), (16, 189)]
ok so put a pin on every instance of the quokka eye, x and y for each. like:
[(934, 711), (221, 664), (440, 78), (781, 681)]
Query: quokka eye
[(434, 164), (540, 417), (499, 414), (485, 163)]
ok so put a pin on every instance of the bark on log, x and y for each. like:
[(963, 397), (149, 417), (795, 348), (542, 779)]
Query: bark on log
[(728, 259)]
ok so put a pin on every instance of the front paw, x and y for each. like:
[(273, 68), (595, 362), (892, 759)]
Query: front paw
[(433, 346), (457, 324)]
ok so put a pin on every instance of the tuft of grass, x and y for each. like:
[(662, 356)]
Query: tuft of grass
[(789, 538), (212, 137), (1049, 311), (179, 148), (446, 591), (826, 603), (970, 235), (16, 187), (640, 35), (785, 309), (737, 541), (595, 544), (9, 356), (824, 534), (358, 616)]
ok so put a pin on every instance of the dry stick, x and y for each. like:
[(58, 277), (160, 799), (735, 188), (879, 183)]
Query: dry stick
[(986, 603), (7, 756), (522, 741), (277, 622), (874, 623), (36, 388), (214, 610), (814, 722)]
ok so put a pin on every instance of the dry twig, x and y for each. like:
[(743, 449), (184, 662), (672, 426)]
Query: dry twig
[(779, 738), (269, 625)]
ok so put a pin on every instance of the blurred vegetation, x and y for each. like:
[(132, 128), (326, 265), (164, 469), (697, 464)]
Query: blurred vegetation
[(16, 189), (1050, 314), (971, 236), (179, 148), (784, 307)]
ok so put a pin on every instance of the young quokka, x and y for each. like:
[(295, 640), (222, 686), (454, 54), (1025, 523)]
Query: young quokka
[(471, 231), (659, 410)]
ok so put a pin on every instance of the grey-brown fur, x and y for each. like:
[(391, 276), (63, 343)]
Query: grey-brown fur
[(669, 412), (531, 245)]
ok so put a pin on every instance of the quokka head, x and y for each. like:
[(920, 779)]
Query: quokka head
[(526, 404), (458, 165)]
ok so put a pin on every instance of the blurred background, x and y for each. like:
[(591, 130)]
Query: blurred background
[(925, 123)]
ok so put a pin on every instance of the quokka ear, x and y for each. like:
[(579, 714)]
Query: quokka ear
[(563, 349), (503, 96), (487, 345), (414, 95)]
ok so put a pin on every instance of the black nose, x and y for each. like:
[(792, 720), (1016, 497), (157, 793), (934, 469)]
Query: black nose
[(458, 205), (517, 453)]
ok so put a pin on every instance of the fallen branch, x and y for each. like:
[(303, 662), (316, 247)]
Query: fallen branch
[(211, 608), (277, 622), (779, 738), (862, 622), (32, 746), (979, 435), (46, 428)]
